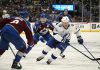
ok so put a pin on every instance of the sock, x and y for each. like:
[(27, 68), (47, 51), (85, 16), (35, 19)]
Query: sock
[(17, 58), (53, 56), (45, 51)]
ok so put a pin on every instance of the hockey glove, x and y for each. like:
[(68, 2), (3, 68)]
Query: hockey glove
[(80, 40), (28, 49), (65, 38)]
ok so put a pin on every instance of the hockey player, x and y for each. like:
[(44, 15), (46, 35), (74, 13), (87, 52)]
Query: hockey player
[(10, 32), (41, 30), (64, 37), (62, 14), (60, 39), (58, 19)]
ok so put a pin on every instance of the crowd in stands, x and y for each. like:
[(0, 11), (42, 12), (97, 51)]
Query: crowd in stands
[(90, 8)]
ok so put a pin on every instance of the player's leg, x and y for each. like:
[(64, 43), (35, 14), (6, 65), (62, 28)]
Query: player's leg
[(51, 43), (44, 53), (65, 46), (3, 45), (21, 47), (60, 48), (11, 35), (47, 49), (47, 37), (1, 52), (61, 54), (54, 55)]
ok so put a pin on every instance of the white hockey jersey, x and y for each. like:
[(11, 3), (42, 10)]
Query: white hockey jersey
[(60, 32)]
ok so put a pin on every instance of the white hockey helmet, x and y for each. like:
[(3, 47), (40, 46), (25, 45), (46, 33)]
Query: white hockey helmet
[(65, 19)]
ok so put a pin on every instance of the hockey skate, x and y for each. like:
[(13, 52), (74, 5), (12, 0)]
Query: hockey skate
[(15, 65), (49, 61), (39, 58), (62, 55)]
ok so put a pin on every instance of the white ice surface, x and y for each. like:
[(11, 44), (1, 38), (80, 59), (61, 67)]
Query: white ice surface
[(73, 61)]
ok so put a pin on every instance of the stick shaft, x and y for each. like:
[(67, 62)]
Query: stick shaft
[(81, 52), (91, 54)]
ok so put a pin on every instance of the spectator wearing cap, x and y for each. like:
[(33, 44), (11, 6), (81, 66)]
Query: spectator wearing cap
[(5, 14), (62, 14)]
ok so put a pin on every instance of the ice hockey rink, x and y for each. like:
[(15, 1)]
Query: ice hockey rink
[(73, 61)]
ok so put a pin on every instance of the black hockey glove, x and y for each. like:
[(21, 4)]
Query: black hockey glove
[(80, 40)]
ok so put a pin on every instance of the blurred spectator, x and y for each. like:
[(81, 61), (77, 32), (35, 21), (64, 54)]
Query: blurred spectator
[(13, 7), (5, 14), (62, 14)]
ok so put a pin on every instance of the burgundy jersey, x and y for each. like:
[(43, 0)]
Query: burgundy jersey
[(20, 25)]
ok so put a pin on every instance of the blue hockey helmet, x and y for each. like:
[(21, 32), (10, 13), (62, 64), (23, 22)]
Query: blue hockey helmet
[(24, 14), (43, 15), (65, 10)]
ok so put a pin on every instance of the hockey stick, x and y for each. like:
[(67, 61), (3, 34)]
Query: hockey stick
[(82, 53), (91, 54), (96, 59), (14, 54)]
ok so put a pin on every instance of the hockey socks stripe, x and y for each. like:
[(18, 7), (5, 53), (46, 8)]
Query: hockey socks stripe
[(44, 52), (53, 56), (18, 56)]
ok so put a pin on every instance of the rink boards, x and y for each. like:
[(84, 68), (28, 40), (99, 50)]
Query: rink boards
[(89, 27), (86, 27)]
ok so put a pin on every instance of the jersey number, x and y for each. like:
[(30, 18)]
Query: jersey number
[(15, 21)]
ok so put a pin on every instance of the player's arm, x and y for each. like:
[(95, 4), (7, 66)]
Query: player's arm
[(56, 32), (57, 26), (57, 36), (51, 27), (35, 27), (78, 35), (28, 34)]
